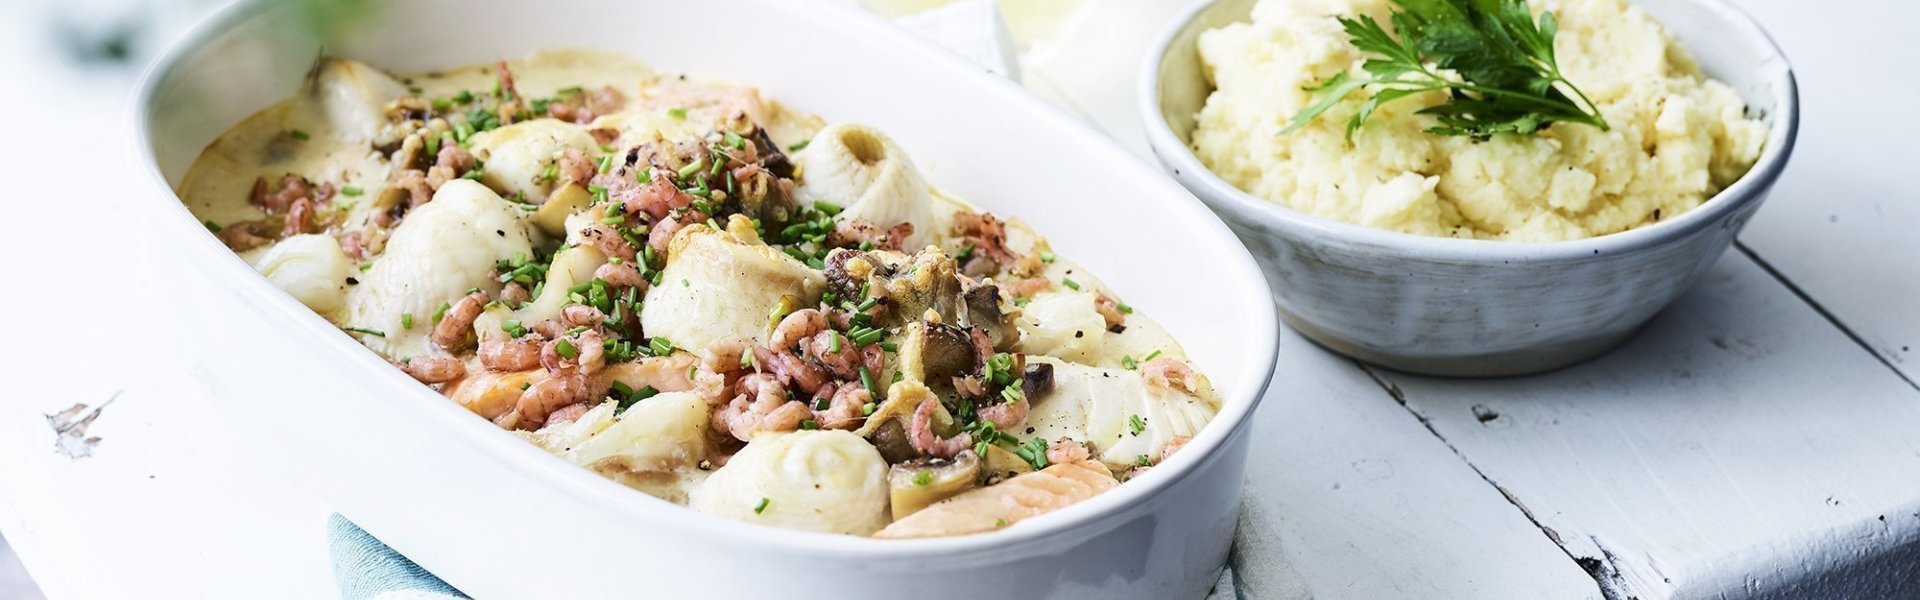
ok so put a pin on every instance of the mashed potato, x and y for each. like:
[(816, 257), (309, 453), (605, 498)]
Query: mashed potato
[(1676, 138)]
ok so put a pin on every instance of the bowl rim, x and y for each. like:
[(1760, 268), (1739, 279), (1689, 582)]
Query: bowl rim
[(1057, 529), (1750, 188)]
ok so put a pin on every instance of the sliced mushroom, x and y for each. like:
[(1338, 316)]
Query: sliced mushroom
[(917, 484), (983, 311), (1037, 381), (935, 352), (891, 439), (551, 217), (1001, 464)]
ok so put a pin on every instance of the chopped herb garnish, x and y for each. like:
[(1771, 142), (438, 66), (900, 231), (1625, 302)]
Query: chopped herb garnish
[(352, 191), (372, 332), (798, 146), (923, 478), (211, 226), (1136, 424), (1150, 355), (762, 506), (565, 349), (299, 135), (513, 327), (1129, 362), (1508, 80), (406, 320), (625, 397), (1046, 257), (809, 425), (866, 379), (1143, 461), (1125, 309), (677, 113), (660, 346), (441, 312), (1069, 282)]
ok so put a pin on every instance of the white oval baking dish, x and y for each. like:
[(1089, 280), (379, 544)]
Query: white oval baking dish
[(499, 518)]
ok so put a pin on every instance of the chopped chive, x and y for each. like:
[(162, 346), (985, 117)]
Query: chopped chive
[(1143, 461), (1069, 282), (924, 477), (762, 506), (352, 191), (868, 408), (1125, 309), (866, 379), (565, 349), (211, 226), (828, 208), (798, 146), (441, 312), (677, 113), (366, 265), (890, 346), (694, 167), (300, 135), (1129, 363), (660, 346), (1136, 424), (1149, 357), (833, 341), (809, 425), (373, 332), (734, 140), (1046, 257), (406, 320), (513, 327)]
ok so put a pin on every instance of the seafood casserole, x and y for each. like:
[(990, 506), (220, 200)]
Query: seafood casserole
[(701, 294)]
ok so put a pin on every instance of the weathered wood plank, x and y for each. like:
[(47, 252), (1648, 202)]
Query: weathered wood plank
[(1843, 224), (1349, 496), (1739, 447)]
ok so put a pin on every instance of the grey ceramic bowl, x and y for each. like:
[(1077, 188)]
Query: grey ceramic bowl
[(1470, 307)]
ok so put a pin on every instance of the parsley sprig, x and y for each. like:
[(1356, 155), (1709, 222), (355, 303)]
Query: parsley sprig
[(1509, 80)]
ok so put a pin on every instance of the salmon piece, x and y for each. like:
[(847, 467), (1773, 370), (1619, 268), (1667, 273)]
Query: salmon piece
[(989, 508), (491, 394)]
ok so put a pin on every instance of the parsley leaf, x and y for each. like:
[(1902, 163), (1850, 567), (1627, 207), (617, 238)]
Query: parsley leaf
[(1509, 80)]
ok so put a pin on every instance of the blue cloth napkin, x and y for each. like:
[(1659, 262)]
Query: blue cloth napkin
[(368, 570)]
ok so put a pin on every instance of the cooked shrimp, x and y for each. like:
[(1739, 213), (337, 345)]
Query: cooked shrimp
[(581, 315), (621, 275), (609, 242), (922, 437), (792, 370), (762, 405), (798, 325), (435, 369), (544, 397), (510, 355), (514, 294), (844, 363), (1066, 451), (452, 330), (570, 413), (1005, 415), (1170, 372), (844, 409), (589, 353)]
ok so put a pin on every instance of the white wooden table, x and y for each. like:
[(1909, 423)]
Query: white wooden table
[(1761, 439)]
